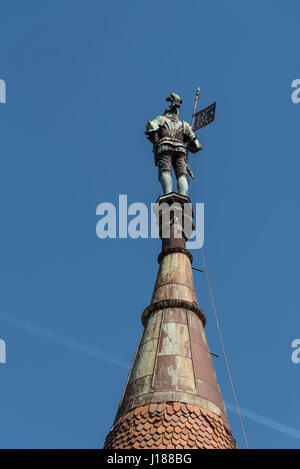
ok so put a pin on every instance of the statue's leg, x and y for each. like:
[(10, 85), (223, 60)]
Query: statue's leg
[(182, 185), (166, 182), (164, 172), (181, 174)]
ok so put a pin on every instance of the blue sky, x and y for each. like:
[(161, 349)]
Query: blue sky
[(83, 77)]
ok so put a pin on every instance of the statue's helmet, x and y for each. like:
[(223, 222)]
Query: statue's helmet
[(175, 99)]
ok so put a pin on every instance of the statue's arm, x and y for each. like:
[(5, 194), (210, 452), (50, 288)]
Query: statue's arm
[(193, 143), (152, 128)]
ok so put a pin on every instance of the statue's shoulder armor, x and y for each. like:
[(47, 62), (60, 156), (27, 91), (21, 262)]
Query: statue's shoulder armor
[(162, 120), (155, 123), (186, 127)]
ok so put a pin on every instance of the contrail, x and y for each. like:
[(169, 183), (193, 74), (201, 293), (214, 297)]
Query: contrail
[(265, 421), (71, 343), (93, 352)]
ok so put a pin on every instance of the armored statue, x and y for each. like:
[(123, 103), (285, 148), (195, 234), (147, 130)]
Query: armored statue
[(169, 135)]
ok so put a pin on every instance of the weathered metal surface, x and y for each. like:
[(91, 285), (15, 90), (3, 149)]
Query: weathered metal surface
[(145, 360), (140, 386), (167, 251), (173, 303), (175, 279), (174, 291), (173, 361), (174, 372), (213, 394), (174, 340), (175, 315), (196, 329), (172, 396), (175, 268), (203, 364), (152, 330)]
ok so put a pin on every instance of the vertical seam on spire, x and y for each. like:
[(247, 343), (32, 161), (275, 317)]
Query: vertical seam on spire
[(188, 326), (130, 371), (158, 342)]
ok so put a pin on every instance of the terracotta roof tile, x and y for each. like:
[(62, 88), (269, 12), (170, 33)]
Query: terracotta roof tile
[(176, 406), (184, 408), (182, 442), (170, 409), (161, 429), (161, 407), (169, 426), (177, 429), (152, 408)]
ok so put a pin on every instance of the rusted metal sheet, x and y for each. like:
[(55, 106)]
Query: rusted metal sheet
[(211, 393), (172, 303), (173, 358), (140, 386), (176, 291), (203, 364), (169, 395), (175, 269), (174, 372), (174, 340), (145, 360), (196, 329), (153, 326), (175, 279), (175, 315)]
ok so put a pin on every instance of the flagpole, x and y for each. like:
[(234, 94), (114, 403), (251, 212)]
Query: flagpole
[(193, 115), (195, 105)]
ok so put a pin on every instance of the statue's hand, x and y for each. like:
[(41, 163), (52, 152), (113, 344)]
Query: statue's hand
[(194, 146)]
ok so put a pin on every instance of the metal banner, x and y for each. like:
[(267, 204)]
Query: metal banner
[(204, 117)]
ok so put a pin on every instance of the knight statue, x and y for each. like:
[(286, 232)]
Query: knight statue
[(168, 136)]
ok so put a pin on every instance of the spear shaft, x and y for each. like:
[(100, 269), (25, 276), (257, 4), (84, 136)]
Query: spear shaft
[(195, 105), (193, 115)]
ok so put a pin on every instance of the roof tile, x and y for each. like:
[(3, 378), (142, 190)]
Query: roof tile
[(168, 426)]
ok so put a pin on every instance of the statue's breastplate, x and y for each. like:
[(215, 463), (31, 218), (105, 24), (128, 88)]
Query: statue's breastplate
[(171, 131)]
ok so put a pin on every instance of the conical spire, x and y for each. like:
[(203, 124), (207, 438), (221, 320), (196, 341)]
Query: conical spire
[(172, 398)]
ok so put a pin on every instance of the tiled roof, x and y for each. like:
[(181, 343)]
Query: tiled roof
[(172, 425)]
